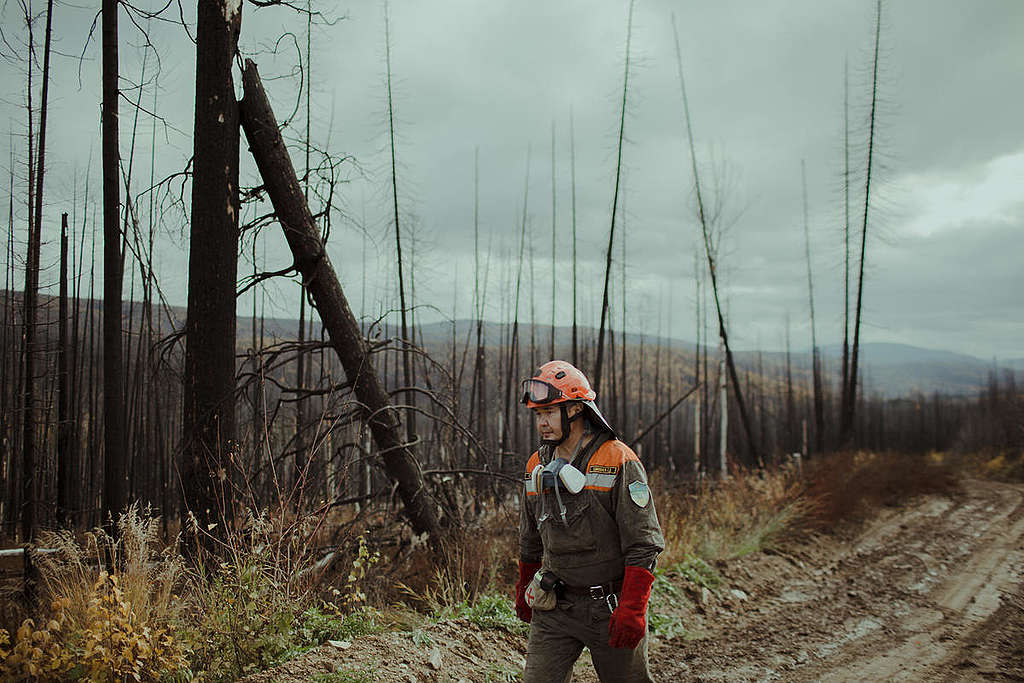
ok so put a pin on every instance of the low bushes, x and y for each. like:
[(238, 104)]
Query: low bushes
[(152, 617)]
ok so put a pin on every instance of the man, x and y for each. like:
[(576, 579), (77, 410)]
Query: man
[(588, 533)]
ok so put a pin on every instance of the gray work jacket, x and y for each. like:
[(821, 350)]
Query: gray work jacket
[(609, 524)]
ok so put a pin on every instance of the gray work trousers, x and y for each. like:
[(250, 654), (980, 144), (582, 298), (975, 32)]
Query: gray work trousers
[(557, 638)]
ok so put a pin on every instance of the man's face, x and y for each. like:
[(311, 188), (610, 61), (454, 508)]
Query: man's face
[(549, 420)]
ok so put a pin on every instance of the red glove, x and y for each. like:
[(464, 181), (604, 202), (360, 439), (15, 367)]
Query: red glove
[(526, 572), (628, 623)]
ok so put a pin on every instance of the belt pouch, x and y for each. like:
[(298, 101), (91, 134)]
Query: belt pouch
[(538, 597)]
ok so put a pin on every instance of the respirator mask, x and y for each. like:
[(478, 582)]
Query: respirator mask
[(558, 475)]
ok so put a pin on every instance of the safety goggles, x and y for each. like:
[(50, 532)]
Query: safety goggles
[(537, 391)]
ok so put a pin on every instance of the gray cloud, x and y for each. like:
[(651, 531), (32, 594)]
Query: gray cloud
[(765, 86)]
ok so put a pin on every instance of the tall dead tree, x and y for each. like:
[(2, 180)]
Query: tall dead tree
[(615, 203), (314, 265), (10, 368), (478, 397), (850, 399), (846, 241), (572, 162), (114, 447), (64, 451), (301, 461), (513, 348), (554, 248), (754, 451), (29, 443), (410, 421), (208, 417), (819, 404)]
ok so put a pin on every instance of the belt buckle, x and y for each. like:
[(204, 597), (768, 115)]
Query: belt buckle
[(597, 592)]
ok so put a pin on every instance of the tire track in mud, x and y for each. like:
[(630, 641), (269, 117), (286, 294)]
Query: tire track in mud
[(898, 602), (931, 640)]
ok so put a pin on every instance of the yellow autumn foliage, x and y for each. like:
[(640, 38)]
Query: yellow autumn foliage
[(113, 644)]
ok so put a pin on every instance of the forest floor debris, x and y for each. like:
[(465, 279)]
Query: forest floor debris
[(927, 589)]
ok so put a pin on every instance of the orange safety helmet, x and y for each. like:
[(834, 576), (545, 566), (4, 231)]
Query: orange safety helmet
[(558, 382)]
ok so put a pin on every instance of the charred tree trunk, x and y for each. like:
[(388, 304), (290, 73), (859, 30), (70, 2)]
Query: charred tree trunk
[(513, 347), (755, 455), (819, 405), (29, 503), (10, 368), (407, 342), (64, 453), (851, 393), (312, 261), (114, 460), (208, 417), (846, 242), (790, 401), (572, 162), (615, 205), (476, 394), (554, 247)]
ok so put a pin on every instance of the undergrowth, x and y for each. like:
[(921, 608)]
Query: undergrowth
[(153, 618), (488, 611), (740, 515), (1000, 465), (149, 616), (848, 486)]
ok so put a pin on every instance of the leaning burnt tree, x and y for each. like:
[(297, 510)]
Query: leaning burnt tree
[(314, 265), (709, 253), (209, 387)]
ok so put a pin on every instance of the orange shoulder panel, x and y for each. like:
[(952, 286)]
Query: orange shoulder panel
[(612, 453), (532, 462)]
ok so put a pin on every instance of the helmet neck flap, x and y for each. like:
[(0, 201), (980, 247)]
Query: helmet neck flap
[(565, 426)]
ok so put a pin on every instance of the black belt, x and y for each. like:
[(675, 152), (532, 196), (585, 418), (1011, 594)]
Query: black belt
[(596, 592)]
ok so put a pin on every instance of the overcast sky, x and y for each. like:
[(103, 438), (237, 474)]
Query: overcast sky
[(945, 248)]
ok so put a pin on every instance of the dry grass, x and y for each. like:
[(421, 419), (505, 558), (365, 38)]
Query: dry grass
[(1000, 465), (103, 625), (147, 573), (848, 486), (721, 520), (754, 511), (261, 602)]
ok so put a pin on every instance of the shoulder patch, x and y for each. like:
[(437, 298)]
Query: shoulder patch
[(639, 493)]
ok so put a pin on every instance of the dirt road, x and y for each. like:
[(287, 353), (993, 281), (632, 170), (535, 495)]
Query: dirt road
[(931, 590)]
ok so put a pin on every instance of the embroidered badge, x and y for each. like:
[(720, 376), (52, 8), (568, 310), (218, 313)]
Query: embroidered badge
[(639, 493), (602, 469)]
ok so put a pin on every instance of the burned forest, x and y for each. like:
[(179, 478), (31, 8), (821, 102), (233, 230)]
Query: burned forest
[(274, 273)]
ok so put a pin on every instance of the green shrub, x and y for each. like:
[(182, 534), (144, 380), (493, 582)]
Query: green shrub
[(346, 676), (698, 572), (488, 611)]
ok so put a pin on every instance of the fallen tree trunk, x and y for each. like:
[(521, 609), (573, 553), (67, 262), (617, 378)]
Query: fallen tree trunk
[(313, 264)]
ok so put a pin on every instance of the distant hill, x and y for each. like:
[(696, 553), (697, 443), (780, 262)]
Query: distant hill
[(896, 370), (890, 369), (899, 369)]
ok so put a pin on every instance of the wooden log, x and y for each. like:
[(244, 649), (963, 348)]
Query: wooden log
[(318, 274)]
